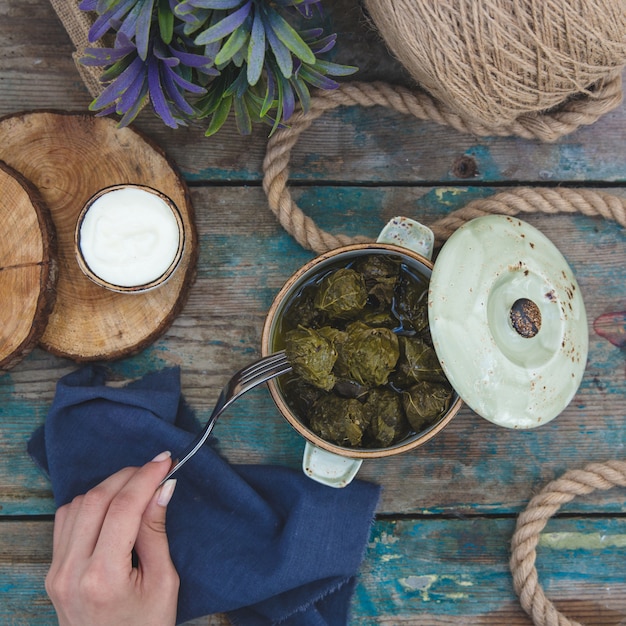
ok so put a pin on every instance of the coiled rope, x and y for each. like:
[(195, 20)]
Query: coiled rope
[(519, 200), (530, 523)]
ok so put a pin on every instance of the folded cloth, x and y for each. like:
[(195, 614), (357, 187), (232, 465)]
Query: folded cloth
[(264, 544)]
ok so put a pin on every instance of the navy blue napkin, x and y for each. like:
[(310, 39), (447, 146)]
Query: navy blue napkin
[(264, 544)]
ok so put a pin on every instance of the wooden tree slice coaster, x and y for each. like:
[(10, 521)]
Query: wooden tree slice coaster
[(69, 157), (28, 268)]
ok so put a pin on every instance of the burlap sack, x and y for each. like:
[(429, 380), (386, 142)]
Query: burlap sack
[(77, 24)]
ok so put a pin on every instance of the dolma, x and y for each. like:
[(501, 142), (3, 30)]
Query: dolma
[(418, 361), (311, 356), (387, 422), (368, 355), (412, 304), (425, 402), (380, 274), (300, 395), (339, 420), (301, 311), (341, 294)]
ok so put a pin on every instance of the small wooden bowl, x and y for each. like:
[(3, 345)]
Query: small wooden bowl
[(86, 258)]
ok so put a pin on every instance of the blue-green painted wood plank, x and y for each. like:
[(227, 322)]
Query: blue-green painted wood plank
[(427, 571), (245, 257), (377, 145), (436, 572)]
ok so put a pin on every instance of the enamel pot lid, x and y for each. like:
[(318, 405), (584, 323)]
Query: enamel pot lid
[(508, 321)]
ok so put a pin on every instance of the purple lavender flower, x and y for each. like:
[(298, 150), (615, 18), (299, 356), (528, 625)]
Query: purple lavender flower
[(194, 59)]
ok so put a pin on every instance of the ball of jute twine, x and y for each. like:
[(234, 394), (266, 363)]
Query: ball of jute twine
[(530, 523), (494, 60), (518, 200)]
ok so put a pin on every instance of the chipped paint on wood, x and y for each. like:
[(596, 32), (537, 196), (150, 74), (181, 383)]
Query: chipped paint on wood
[(581, 541)]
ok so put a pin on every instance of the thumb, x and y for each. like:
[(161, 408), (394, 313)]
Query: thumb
[(151, 546)]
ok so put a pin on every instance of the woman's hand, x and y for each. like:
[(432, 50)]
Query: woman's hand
[(92, 581)]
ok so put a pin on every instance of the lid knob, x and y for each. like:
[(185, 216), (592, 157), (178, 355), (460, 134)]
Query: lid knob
[(525, 318)]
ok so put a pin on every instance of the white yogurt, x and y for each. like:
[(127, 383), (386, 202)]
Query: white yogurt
[(129, 237)]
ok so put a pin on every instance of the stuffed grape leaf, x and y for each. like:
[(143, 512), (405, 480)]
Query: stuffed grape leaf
[(418, 361), (387, 421), (311, 356), (411, 304), (339, 420), (380, 274), (368, 355), (424, 402), (341, 294)]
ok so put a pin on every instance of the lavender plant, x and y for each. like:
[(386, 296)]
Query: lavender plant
[(205, 59)]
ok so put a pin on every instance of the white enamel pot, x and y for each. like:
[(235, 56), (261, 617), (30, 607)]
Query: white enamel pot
[(507, 320)]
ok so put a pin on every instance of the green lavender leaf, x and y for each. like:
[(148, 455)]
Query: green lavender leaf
[(233, 44), (302, 92), (334, 69), (281, 52), (166, 21), (268, 100), (113, 71), (220, 115), (289, 37), (133, 111), (316, 79), (256, 50), (215, 4), (279, 104), (144, 21), (224, 27), (242, 116)]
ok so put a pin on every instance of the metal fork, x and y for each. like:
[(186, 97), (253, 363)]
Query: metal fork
[(245, 379)]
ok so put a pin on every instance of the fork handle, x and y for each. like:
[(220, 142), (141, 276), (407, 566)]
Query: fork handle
[(195, 445)]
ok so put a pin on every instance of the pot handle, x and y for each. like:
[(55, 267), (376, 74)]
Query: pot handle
[(329, 468), (407, 233)]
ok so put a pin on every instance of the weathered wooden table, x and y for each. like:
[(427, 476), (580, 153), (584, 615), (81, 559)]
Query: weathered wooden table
[(439, 549)]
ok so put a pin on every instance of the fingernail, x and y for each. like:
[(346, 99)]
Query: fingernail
[(162, 457), (166, 493)]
